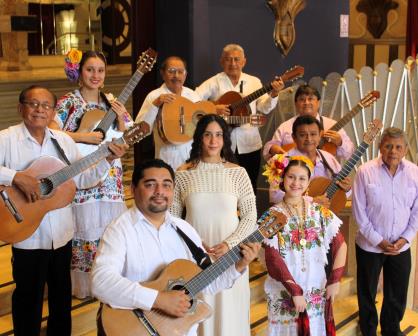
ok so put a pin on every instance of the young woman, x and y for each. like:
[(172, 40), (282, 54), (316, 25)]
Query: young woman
[(96, 207), (212, 189), (299, 289)]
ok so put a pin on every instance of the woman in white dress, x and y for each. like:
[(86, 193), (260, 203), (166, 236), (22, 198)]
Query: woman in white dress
[(220, 204), (299, 288)]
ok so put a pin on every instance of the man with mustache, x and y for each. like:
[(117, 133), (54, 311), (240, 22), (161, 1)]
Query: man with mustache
[(138, 245), (385, 206), (174, 73), (306, 133), (307, 102)]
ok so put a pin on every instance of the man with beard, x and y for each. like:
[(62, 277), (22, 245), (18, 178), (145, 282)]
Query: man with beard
[(141, 242), (307, 102), (173, 71)]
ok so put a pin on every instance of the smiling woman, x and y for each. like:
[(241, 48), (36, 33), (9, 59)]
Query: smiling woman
[(212, 188)]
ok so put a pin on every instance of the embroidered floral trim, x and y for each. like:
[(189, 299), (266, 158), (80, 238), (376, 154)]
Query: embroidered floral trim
[(83, 254)]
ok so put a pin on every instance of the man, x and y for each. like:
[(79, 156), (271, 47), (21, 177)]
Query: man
[(141, 242), (306, 134), (385, 206), (45, 256), (173, 71), (246, 140), (307, 102)]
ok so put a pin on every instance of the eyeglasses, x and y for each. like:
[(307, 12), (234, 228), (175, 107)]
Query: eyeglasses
[(34, 105), (173, 71)]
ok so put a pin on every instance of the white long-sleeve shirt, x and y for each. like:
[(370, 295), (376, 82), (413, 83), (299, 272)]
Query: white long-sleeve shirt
[(174, 155), (132, 250), (18, 149), (246, 137)]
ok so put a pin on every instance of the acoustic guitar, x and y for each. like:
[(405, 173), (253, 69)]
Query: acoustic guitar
[(19, 218), (239, 106), (182, 275), (330, 147), (323, 185), (97, 120), (176, 121)]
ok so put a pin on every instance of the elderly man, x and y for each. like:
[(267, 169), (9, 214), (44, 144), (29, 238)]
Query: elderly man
[(173, 71), (307, 102), (385, 206), (45, 256), (138, 245), (246, 140)]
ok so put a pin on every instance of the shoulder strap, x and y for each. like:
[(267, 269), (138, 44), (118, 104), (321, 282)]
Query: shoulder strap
[(202, 259), (60, 150), (326, 164)]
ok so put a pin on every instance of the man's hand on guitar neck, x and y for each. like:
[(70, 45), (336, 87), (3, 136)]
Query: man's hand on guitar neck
[(223, 110), (174, 303), (117, 151), (334, 137), (249, 252), (28, 185), (277, 86)]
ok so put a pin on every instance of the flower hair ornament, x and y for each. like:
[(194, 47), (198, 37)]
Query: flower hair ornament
[(72, 64), (275, 166)]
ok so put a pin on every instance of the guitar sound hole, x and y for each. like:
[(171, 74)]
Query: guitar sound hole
[(46, 187)]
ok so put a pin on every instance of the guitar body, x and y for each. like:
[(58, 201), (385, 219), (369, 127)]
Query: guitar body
[(288, 147), (124, 322), (177, 120), (318, 186), (33, 213), (231, 97), (90, 120), (329, 147)]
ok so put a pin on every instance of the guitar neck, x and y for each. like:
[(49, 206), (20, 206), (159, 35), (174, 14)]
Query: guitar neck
[(253, 96), (344, 120), (77, 167), (204, 278), (110, 116), (237, 120), (346, 169)]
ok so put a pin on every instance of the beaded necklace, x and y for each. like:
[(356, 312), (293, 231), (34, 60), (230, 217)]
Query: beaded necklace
[(301, 226)]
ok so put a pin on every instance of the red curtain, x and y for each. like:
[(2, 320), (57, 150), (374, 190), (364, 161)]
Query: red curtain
[(412, 29)]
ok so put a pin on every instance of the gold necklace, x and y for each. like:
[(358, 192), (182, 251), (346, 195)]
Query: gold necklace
[(301, 227)]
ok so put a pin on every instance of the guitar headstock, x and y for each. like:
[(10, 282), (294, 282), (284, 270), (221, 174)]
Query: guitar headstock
[(293, 73), (147, 60), (136, 133), (373, 129), (269, 224), (369, 99)]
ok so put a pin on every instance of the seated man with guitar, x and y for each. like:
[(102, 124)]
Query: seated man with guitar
[(246, 140), (43, 254), (173, 71), (146, 241), (307, 102), (306, 133)]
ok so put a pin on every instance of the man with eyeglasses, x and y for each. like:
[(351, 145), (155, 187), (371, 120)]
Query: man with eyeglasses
[(246, 140), (307, 102), (173, 71), (45, 256)]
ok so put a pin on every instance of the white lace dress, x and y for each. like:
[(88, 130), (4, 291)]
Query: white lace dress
[(307, 267), (212, 194)]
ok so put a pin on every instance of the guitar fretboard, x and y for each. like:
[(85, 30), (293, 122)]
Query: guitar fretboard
[(204, 278), (346, 169), (238, 120), (110, 116), (77, 167), (248, 99)]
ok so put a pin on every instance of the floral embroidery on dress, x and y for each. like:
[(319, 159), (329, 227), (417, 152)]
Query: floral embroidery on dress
[(83, 254), (313, 234)]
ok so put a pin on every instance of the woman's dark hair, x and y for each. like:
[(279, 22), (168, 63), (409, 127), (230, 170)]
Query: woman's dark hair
[(139, 169), (196, 151), (89, 54), (305, 120), (294, 163)]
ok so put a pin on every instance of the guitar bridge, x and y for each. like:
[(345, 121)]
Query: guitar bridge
[(181, 120), (10, 206), (147, 324)]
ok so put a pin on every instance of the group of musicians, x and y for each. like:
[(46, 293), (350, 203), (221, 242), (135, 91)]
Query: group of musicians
[(384, 193)]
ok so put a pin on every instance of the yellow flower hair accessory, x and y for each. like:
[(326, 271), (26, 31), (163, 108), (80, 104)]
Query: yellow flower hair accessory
[(274, 169), (72, 64), (275, 166)]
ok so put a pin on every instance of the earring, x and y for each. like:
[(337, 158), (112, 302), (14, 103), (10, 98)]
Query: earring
[(102, 86), (306, 193), (80, 83)]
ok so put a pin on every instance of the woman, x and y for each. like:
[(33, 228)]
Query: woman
[(211, 188), (299, 290), (96, 207)]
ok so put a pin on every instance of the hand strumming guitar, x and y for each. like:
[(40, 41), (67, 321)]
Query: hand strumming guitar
[(28, 184)]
